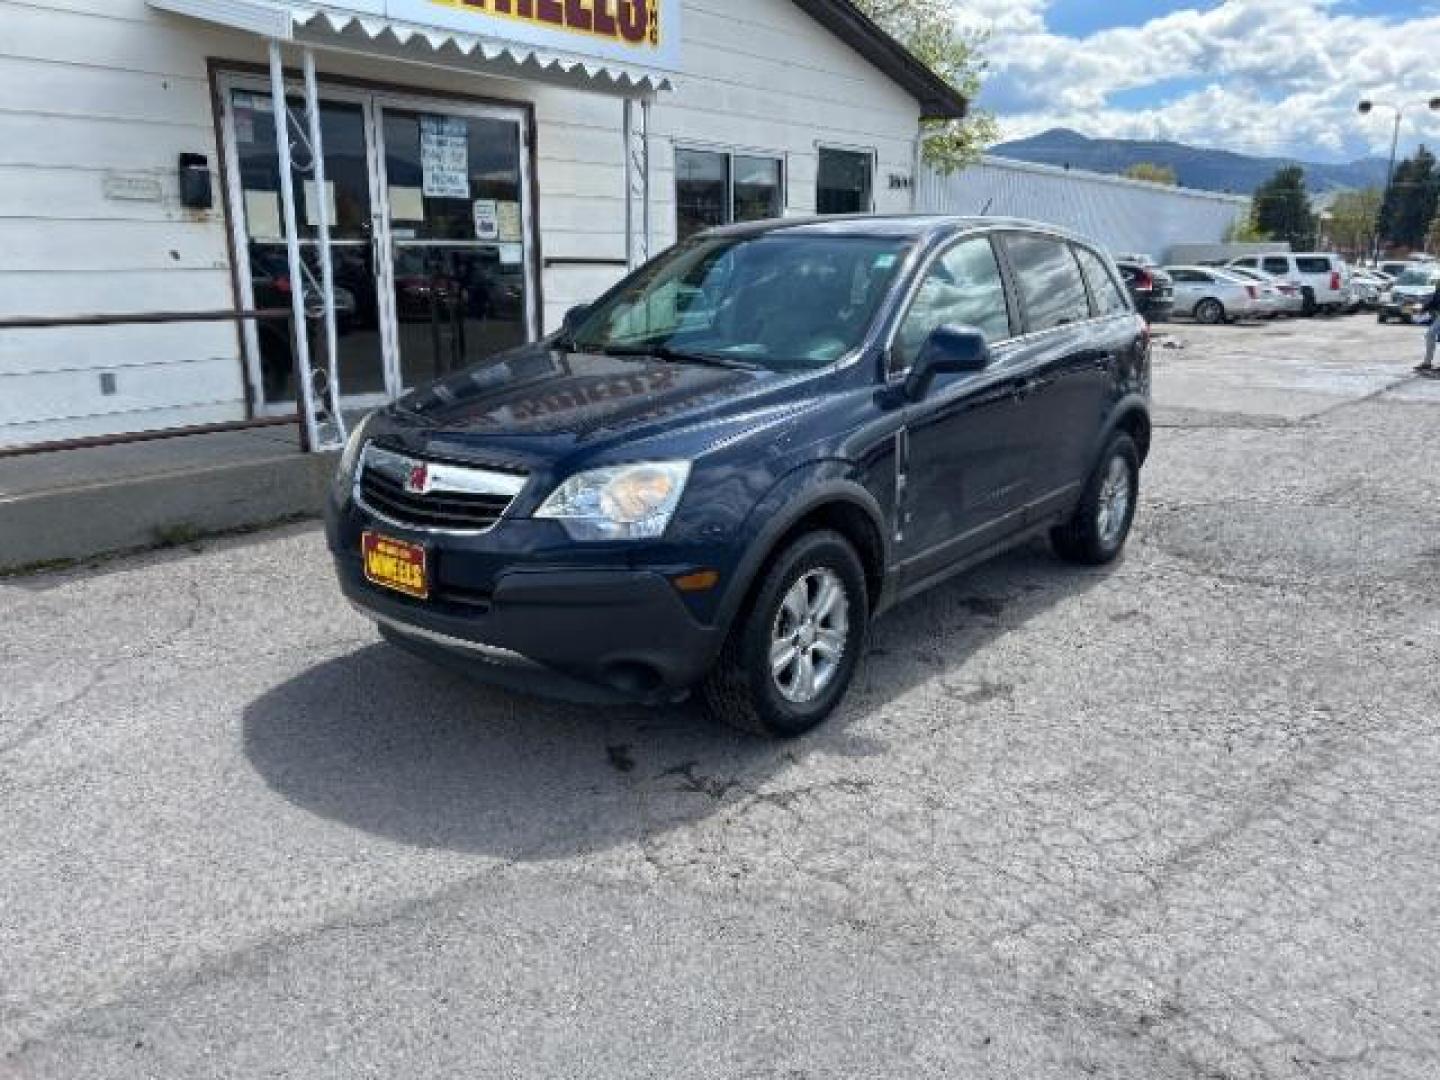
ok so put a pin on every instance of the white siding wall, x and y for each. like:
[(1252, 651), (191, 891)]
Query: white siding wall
[(1123, 215), (88, 87)]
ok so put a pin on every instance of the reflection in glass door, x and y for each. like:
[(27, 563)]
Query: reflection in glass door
[(454, 194), (344, 128)]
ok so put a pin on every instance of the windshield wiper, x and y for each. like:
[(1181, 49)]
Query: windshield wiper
[(682, 356)]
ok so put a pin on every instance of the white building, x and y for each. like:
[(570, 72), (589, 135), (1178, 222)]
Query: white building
[(476, 178), (1127, 216)]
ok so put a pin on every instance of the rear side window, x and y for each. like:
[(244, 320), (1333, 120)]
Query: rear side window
[(962, 286), (1106, 297), (1277, 266), (1313, 266), (1049, 280), (1244, 262)]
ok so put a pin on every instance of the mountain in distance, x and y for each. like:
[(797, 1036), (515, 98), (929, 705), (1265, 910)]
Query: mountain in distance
[(1196, 167)]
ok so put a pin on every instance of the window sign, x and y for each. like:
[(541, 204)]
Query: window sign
[(445, 157), (487, 220), (508, 217)]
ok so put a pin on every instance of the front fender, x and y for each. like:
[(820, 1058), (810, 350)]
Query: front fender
[(789, 501)]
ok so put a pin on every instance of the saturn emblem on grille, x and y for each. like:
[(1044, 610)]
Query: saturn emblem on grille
[(417, 481)]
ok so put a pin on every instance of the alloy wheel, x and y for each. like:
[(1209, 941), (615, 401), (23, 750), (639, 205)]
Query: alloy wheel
[(1113, 510), (809, 635)]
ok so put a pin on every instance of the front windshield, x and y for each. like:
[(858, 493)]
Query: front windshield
[(782, 300)]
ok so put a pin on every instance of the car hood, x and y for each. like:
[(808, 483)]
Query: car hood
[(537, 403)]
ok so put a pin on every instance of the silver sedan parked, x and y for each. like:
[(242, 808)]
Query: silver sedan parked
[(1277, 296), (1212, 295)]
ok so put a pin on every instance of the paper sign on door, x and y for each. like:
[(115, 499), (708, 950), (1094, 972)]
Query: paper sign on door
[(445, 157), (487, 220)]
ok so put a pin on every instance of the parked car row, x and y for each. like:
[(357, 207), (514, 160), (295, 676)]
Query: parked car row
[(1278, 284)]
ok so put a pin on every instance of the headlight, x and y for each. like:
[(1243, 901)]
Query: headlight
[(626, 502), (350, 456)]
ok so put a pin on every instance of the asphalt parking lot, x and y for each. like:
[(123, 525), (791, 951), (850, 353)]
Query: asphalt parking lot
[(1176, 819)]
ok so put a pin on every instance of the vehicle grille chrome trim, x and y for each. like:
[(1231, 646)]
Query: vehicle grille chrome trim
[(494, 653), (453, 499)]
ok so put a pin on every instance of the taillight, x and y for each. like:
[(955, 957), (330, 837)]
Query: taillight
[(1146, 280), (282, 285), (1334, 280)]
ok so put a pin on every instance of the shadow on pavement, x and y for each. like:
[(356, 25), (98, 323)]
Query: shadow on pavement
[(387, 743)]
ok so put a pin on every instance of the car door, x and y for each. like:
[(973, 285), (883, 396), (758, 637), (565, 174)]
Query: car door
[(1063, 358), (963, 474), (1190, 288)]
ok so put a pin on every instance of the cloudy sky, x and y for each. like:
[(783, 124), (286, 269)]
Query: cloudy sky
[(1256, 76)]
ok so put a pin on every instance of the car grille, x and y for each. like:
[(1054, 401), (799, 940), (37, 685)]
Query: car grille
[(434, 495)]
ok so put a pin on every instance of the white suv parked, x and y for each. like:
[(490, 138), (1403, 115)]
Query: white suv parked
[(1322, 278)]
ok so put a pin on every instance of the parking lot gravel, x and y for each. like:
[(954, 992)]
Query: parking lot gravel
[(1174, 819)]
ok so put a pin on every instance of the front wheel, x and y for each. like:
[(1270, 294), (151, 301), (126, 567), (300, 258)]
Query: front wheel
[(1097, 530), (791, 655)]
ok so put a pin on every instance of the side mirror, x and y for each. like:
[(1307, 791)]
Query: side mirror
[(576, 315), (949, 350)]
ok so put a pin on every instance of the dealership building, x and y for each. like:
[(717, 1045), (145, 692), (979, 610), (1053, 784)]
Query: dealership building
[(417, 183)]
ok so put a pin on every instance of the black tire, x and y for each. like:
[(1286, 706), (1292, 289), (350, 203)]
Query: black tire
[(1382, 318), (1310, 306), (1084, 539), (741, 690), (1210, 311)]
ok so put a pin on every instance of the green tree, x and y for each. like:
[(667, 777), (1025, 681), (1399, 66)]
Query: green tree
[(927, 28), (1432, 238), (1152, 173), (1411, 202), (1243, 231), (1282, 208), (1353, 218)]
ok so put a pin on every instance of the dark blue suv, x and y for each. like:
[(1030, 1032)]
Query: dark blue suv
[(717, 474)]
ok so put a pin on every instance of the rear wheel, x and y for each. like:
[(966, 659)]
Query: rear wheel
[(1382, 318), (1097, 530), (1309, 306), (1210, 311), (791, 655)]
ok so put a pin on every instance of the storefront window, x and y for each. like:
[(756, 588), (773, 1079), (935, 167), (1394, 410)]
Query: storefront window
[(701, 182), (844, 182), (714, 187), (757, 188)]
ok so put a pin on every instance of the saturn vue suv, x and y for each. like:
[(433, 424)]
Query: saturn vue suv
[(714, 477)]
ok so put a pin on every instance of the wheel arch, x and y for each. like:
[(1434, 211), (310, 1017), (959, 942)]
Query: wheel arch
[(805, 503)]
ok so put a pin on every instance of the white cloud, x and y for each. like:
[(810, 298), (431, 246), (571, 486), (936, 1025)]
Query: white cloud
[(1256, 76)]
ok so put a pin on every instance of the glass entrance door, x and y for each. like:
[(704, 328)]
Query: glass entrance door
[(344, 127), (430, 237), (455, 204)]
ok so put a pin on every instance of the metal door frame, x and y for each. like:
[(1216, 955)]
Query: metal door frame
[(372, 103)]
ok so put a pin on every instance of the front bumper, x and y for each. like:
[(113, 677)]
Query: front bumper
[(626, 631)]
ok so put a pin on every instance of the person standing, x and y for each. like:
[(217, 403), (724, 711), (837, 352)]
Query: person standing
[(1432, 336)]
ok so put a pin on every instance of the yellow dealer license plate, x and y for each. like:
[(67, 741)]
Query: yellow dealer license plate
[(396, 564)]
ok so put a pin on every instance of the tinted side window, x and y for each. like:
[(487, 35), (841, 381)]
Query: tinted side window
[(962, 286), (1105, 294), (1274, 265), (1244, 262), (1313, 266), (1049, 281)]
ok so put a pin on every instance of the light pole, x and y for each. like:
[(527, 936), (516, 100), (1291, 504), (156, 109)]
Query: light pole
[(1366, 107)]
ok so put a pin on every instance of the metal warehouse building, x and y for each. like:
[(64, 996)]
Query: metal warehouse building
[(1124, 215), (414, 184)]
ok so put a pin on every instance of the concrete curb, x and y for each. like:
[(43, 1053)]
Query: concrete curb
[(80, 522)]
